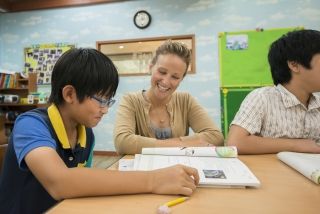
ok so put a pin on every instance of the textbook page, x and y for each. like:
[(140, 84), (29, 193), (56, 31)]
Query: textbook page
[(126, 164), (210, 151), (213, 171), (306, 164)]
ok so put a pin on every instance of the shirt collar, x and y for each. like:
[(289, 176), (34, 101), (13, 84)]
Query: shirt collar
[(148, 104), (314, 101), (58, 126), (290, 99)]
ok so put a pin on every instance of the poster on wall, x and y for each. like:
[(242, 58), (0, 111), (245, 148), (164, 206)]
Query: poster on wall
[(41, 58), (237, 42)]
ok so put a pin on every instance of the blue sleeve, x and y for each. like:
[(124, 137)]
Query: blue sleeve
[(30, 131)]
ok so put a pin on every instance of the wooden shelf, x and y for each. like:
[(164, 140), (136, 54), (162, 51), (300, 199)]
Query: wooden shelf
[(3, 148), (19, 105), (23, 88), (9, 122), (4, 140), (13, 89), (22, 80)]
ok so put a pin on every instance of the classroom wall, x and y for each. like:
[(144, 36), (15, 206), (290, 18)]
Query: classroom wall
[(85, 25)]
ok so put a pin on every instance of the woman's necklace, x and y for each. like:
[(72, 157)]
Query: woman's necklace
[(158, 115)]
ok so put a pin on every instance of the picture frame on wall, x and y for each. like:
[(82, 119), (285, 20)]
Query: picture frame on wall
[(132, 57)]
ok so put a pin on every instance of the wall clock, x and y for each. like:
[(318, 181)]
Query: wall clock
[(142, 19)]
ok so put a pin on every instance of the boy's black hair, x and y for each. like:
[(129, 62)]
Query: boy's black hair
[(89, 71), (297, 46)]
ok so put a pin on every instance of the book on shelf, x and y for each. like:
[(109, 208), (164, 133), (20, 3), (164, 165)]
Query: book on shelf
[(217, 166), (7, 80), (305, 163)]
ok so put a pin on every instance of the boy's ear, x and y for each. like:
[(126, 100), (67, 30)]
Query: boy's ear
[(69, 94), (294, 66)]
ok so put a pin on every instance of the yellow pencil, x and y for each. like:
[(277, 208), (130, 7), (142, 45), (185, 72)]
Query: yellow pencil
[(164, 209), (176, 201)]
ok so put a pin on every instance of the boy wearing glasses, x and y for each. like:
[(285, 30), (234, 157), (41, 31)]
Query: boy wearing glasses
[(50, 149)]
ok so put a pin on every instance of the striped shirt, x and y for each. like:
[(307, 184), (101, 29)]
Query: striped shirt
[(275, 112)]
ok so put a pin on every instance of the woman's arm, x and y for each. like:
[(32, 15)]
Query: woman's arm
[(125, 138), (202, 125), (127, 142)]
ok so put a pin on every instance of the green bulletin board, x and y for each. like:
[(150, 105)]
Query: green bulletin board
[(243, 57), (231, 100)]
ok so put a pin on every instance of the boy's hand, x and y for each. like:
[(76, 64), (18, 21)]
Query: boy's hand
[(177, 179), (306, 145)]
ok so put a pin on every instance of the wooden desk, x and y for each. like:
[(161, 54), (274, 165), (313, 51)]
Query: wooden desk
[(283, 190)]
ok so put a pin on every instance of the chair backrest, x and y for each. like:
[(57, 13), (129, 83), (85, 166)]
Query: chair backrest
[(3, 149)]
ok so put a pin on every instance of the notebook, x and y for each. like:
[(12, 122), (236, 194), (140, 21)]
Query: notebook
[(305, 163), (217, 166)]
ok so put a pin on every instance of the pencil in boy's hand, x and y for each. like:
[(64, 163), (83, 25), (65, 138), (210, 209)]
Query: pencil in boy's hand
[(164, 209)]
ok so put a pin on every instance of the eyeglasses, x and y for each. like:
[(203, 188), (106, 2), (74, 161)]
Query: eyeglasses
[(104, 103)]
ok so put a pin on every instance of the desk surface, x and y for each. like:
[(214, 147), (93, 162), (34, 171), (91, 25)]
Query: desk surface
[(282, 190)]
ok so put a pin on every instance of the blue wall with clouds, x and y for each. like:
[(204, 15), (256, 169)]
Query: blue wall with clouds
[(85, 25)]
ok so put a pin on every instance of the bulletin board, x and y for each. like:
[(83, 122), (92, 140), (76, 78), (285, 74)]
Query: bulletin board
[(244, 57), (41, 59), (231, 99)]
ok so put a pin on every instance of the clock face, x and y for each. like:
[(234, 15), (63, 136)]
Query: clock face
[(142, 19)]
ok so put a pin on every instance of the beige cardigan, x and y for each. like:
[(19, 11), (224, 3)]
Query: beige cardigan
[(132, 129)]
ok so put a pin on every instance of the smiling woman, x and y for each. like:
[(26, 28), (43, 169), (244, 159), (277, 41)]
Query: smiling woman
[(133, 57), (160, 116)]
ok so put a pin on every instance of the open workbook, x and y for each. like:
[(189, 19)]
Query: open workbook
[(217, 166), (306, 164)]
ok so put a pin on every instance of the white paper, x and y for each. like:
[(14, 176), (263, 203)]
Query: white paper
[(211, 151), (213, 171), (126, 164), (306, 164)]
